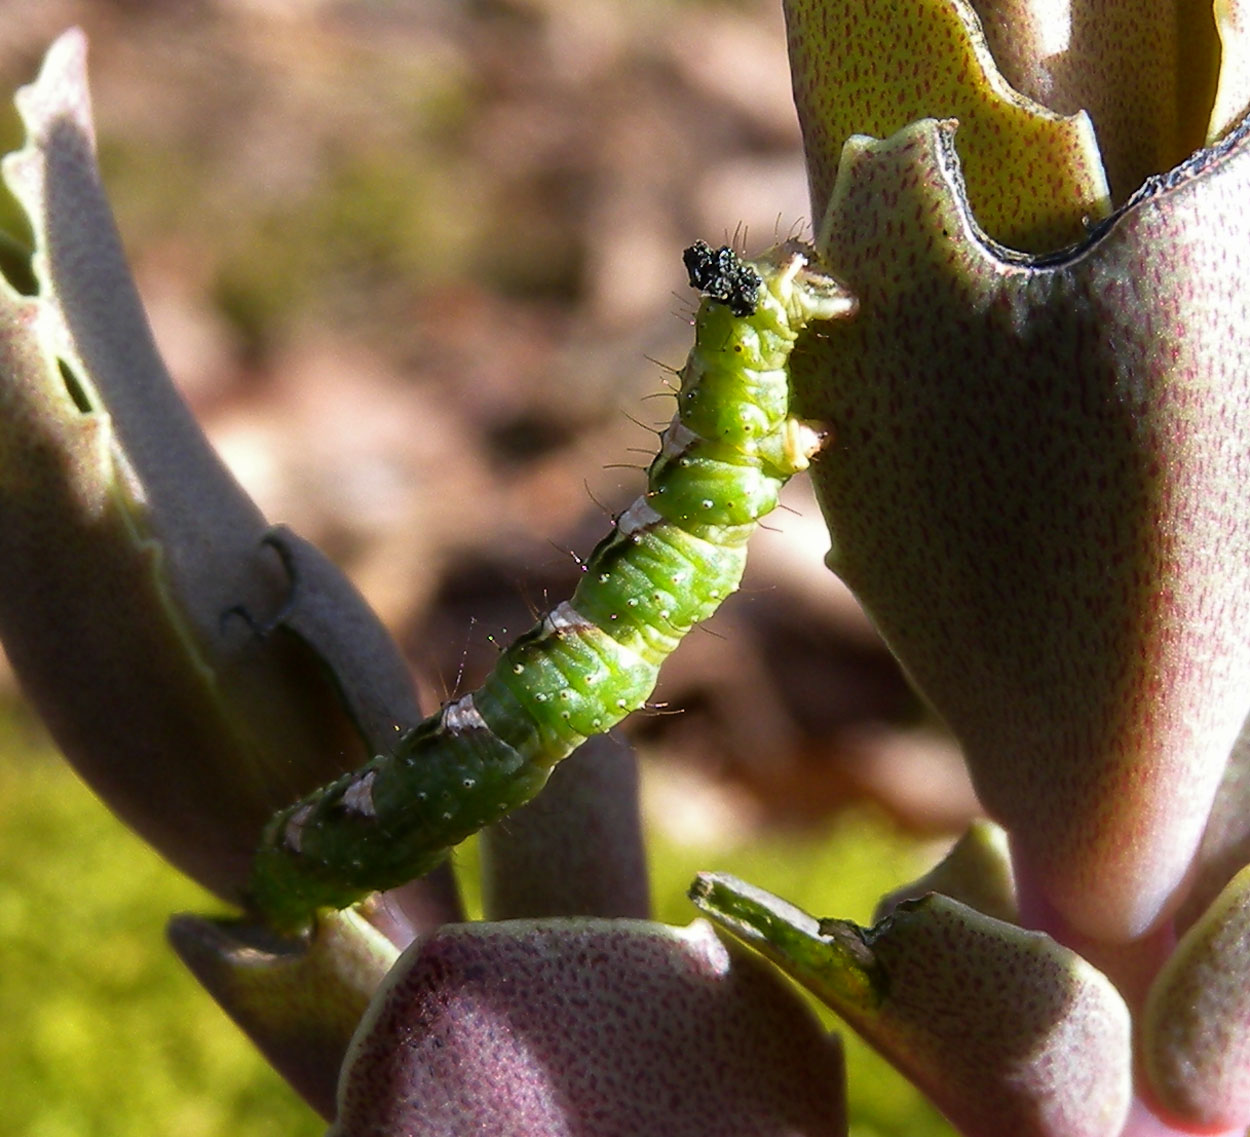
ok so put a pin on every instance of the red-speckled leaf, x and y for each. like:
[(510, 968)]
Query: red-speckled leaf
[(1225, 845), (298, 1001), (1195, 1032), (588, 1028), (1036, 487), (1006, 1031), (1145, 72), (1232, 101), (864, 67), (124, 543)]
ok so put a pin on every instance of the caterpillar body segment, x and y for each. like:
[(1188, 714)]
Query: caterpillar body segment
[(671, 559)]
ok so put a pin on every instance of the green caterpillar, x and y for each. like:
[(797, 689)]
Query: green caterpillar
[(671, 559)]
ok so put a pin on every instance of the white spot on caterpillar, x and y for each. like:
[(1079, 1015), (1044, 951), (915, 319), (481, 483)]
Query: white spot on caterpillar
[(678, 439), (638, 518), (358, 797), (565, 618), (293, 831), (462, 716)]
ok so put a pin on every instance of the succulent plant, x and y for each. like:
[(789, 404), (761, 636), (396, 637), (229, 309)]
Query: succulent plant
[(1037, 446)]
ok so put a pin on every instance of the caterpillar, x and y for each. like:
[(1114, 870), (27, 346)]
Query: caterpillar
[(672, 557)]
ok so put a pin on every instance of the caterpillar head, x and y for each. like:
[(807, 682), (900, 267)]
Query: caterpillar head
[(804, 292), (721, 274)]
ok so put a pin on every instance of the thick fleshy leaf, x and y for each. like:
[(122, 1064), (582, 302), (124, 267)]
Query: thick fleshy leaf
[(1195, 1033), (1225, 845), (1232, 100), (1144, 71), (1005, 1030), (133, 570), (1037, 490), (299, 1001), (587, 1028), (576, 849), (863, 67), (976, 872)]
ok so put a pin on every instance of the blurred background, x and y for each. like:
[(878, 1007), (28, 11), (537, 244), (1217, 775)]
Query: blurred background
[(416, 265)]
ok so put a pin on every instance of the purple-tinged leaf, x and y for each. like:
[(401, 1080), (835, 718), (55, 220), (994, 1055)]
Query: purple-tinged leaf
[(1195, 1032), (1037, 490), (588, 1028), (136, 590), (1225, 845), (576, 849), (1006, 1031), (298, 1001)]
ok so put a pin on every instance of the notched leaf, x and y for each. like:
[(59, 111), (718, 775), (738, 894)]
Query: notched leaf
[(1005, 1030), (1034, 177), (1065, 518), (298, 1001), (127, 548)]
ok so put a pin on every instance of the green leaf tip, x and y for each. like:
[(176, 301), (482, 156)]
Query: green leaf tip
[(834, 953), (995, 1024)]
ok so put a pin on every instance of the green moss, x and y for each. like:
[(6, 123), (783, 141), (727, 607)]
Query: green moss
[(105, 1033), (89, 991)]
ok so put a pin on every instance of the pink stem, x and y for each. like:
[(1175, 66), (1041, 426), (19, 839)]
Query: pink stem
[(1143, 1122), (1131, 965)]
